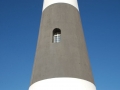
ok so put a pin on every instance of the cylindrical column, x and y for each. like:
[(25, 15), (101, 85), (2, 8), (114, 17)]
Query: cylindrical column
[(61, 60)]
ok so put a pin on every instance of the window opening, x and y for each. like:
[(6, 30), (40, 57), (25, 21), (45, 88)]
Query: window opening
[(56, 35)]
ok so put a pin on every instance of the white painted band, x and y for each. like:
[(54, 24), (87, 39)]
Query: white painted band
[(50, 2), (63, 84)]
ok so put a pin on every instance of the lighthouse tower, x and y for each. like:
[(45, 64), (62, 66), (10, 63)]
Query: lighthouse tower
[(61, 59)]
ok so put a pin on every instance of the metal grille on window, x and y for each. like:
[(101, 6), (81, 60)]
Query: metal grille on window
[(57, 38)]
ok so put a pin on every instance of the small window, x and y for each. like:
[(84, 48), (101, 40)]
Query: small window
[(56, 35)]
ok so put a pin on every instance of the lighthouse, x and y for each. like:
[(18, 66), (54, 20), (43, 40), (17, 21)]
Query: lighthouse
[(61, 59)]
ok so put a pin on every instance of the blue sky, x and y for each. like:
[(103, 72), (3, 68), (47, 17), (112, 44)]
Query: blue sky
[(19, 26)]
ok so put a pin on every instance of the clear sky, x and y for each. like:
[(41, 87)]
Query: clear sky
[(19, 26)]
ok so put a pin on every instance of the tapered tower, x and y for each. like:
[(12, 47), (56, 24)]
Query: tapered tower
[(61, 60)]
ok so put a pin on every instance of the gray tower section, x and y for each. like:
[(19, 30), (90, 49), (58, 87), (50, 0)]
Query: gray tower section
[(69, 57)]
